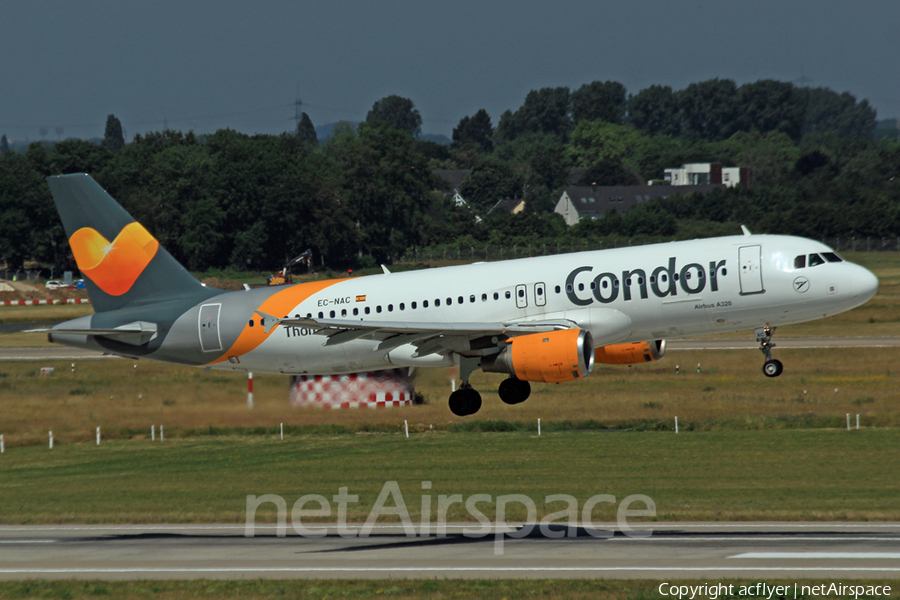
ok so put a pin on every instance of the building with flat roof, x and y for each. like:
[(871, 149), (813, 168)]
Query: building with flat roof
[(707, 174)]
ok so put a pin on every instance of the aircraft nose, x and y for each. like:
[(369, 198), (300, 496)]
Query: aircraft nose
[(864, 283)]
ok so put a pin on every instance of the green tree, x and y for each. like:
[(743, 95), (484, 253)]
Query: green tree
[(828, 112), (397, 112), (654, 110), (306, 132), (595, 141), (113, 137), (544, 111), (599, 101), (709, 109), (476, 130), (490, 181), (4, 145), (387, 186), (607, 172), (770, 105), (539, 163)]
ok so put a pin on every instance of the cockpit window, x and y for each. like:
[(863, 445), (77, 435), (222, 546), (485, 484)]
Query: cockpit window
[(832, 257), (816, 260), (800, 261)]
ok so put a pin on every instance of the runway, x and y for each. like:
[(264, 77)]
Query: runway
[(712, 551), (746, 343)]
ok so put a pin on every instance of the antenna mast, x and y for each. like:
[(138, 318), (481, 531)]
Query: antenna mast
[(298, 114)]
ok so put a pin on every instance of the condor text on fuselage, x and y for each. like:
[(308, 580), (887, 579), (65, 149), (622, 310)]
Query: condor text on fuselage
[(663, 282)]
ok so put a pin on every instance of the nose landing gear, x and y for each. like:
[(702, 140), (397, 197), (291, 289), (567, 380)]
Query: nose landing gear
[(772, 367)]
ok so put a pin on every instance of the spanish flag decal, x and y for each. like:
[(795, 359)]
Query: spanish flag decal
[(113, 266), (361, 298)]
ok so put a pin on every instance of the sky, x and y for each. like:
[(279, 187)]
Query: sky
[(205, 65)]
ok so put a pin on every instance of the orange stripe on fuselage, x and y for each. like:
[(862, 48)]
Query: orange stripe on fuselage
[(277, 305)]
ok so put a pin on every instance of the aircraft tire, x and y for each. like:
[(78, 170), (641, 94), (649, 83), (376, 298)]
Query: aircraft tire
[(773, 368), (514, 391), (465, 402)]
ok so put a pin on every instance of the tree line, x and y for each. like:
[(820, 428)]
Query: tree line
[(368, 193)]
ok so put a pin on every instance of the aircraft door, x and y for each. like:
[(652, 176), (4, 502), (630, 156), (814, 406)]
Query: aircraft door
[(208, 324), (540, 298), (749, 258), (521, 296)]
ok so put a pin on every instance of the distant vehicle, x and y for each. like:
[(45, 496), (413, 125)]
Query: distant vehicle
[(55, 285), (285, 277)]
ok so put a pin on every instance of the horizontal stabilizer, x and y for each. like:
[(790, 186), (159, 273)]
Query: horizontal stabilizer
[(133, 334)]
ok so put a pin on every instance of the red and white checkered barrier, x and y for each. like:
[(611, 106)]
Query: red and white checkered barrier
[(40, 302), (376, 389)]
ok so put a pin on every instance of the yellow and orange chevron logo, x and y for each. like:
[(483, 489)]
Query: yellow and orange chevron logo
[(113, 266)]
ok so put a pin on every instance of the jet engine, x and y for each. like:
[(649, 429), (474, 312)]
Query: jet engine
[(631, 354), (550, 357)]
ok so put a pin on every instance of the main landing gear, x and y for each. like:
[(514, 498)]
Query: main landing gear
[(772, 367), (514, 391), (467, 401)]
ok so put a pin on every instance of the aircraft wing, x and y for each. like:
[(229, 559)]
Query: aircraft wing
[(429, 337)]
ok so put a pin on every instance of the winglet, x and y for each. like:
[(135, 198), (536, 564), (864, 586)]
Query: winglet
[(385, 269), (745, 230)]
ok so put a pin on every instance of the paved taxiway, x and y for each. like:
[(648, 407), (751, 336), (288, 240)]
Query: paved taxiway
[(712, 551), (748, 343)]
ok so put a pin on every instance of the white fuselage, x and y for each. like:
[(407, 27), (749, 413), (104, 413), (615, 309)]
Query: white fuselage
[(620, 295)]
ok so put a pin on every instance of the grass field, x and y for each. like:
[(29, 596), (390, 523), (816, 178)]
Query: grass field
[(395, 589), (818, 388), (729, 475)]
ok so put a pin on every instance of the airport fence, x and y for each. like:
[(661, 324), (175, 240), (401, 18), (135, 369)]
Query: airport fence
[(486, 252)]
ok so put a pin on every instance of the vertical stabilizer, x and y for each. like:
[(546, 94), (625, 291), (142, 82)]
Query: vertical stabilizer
[(122, 263)]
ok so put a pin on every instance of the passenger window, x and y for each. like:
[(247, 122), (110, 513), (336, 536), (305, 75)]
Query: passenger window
[(496, 296), (449, 301), (413, 305), (580, 287), (437, 302), (344, 312), (484, 297), (424, 303), (815, 260), (402, 306), (472, 298), (460, 300), (521, 293), (331, 314), (320, 316), (355, 311), (368, 310), (390, 308), (558, 289), (309, 315), (378, 308), (508, 295), (251, 323), (832, 257)]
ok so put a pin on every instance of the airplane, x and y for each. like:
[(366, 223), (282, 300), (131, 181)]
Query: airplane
[(539, 319)]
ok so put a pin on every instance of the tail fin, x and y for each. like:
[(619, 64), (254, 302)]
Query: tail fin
[(122, 263)]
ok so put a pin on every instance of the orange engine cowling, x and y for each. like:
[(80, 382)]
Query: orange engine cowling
[(631, 354), (550, 357)]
